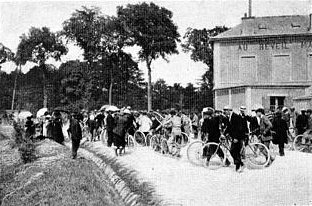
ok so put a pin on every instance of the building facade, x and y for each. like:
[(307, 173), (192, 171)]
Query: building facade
[(263, 61)]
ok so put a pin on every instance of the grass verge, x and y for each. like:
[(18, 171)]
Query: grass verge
[(146, 191), (56, 179)]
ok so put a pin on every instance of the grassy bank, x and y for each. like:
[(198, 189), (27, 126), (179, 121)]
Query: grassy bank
[(52, 179)]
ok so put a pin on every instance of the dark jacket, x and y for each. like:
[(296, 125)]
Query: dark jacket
[(253, 125), (30, 128), (302, 121), (211, 126), (110, 123), (57, 133), (234, 127), (245, 129), (265, 126), (75, 129), (121, 123), (280, 128)]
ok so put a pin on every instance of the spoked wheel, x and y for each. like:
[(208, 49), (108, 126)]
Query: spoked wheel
[(303, 144), (273, 150), (164, 146), (257, 154), (130, 143), (195, 153), (148, 139), (185, 139), (175, 150), (154, 143), (139, 138), (86, 133), (214, 159)]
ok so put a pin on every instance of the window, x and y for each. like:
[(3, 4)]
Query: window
[(276, 102), (248, 69), (281, 68)]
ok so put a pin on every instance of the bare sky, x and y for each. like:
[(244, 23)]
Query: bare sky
[(16, 17)]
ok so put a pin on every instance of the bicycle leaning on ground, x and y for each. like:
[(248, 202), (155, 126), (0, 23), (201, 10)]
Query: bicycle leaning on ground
[(159, 143), (255, 154), (303, 142)]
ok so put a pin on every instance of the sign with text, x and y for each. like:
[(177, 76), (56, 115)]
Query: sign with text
[(274, 45)]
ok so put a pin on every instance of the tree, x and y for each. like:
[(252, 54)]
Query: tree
[(151, 28), (5, 54), (101, 37), (197, 42), (38, 46)]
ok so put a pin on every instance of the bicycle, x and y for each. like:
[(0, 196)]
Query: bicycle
[(256, 154), (159, 143), (130, 142), (303, 143), (140, 138)]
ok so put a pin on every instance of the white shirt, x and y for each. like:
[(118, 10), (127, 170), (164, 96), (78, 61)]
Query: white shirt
[(145, 123)]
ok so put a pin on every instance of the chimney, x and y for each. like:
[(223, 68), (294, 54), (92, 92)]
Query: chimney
[(249, 8), (248, 16)]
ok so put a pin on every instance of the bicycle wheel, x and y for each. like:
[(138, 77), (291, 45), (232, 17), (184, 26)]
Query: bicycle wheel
[(257, 154), (139, 138), (148, 139), (212, 152), (273, 150), (185, 139), (130, 143), (302, 144), (154, 144), (195, 153), (164, 146)]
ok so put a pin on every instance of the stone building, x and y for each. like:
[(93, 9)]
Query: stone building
[(264, 61)]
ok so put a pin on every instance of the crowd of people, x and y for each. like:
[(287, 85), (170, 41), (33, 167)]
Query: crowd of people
[(208, 125)]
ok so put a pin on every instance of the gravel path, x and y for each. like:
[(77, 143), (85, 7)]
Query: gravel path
[(287, 181)]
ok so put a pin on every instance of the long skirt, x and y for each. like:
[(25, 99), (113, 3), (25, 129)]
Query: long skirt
[(119, 141)]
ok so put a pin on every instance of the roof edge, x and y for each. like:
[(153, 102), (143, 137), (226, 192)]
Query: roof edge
[(215, 39)]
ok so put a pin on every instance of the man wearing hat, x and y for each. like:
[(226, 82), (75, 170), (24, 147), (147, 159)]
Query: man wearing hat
[(265, 129), (245, 133), (110, 124), (74, 133), (234, 128), (301, 122), (56, 126), (211, 129), (286, 116)]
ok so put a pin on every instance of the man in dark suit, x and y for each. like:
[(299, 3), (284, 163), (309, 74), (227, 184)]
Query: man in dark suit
[(110, 124), (211, 128), (75, 134), (234, 129)]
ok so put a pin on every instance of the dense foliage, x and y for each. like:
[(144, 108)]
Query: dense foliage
[(108, 74)]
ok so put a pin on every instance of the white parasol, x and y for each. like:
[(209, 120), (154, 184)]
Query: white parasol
[(112, 108), (41, 112), (104, 107), (24, 114)]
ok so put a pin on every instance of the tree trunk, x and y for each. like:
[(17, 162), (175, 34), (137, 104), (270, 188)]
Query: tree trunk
[(14, 89), (149, 85), (110, 93), (45, 92)]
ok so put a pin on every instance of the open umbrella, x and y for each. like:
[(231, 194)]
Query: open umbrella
[(41, 112), (104, 107), (112, 108), (24, 114)]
